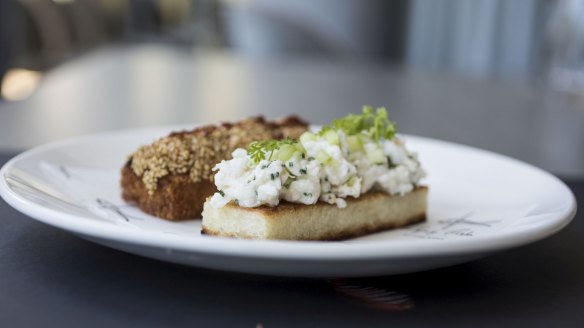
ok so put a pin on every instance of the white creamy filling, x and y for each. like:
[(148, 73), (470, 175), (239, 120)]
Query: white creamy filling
[(399, 175), (328, 172), (302, 185)]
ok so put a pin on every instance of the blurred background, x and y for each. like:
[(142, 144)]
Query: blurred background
[(533, 40), (472, 71)]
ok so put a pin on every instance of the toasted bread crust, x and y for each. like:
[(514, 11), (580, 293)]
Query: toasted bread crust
[(172, 177), (372, 212), (334, 236)]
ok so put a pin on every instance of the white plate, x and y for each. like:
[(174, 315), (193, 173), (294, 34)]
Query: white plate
[(479, 203)]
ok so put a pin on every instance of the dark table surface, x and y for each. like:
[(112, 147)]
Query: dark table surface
[(50, 278)]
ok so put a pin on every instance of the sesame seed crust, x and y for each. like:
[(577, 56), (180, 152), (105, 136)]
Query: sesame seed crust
[(195, 153)]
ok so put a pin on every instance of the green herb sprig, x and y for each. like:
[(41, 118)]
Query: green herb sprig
[(260, 150), (375, 124)]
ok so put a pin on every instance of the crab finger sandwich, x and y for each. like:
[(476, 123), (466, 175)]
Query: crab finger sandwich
[(353, 177)]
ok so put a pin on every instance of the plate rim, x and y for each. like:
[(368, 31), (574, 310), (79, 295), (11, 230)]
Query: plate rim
[(290, 250)]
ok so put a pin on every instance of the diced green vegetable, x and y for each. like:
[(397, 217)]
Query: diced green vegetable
[(285, 152), (375, 156), (355, 143), (307, 136), (260, 150), (323, 157), (332, 137)]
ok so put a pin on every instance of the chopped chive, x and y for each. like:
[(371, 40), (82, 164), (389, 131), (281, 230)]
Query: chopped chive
[(289, 181), (290, 173), (290, 164), (272, 176), (303, 171), (311, 158), (303, 156), (221, 193), (390, 164)]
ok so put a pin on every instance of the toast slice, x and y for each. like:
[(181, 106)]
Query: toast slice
[(372, 212)]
